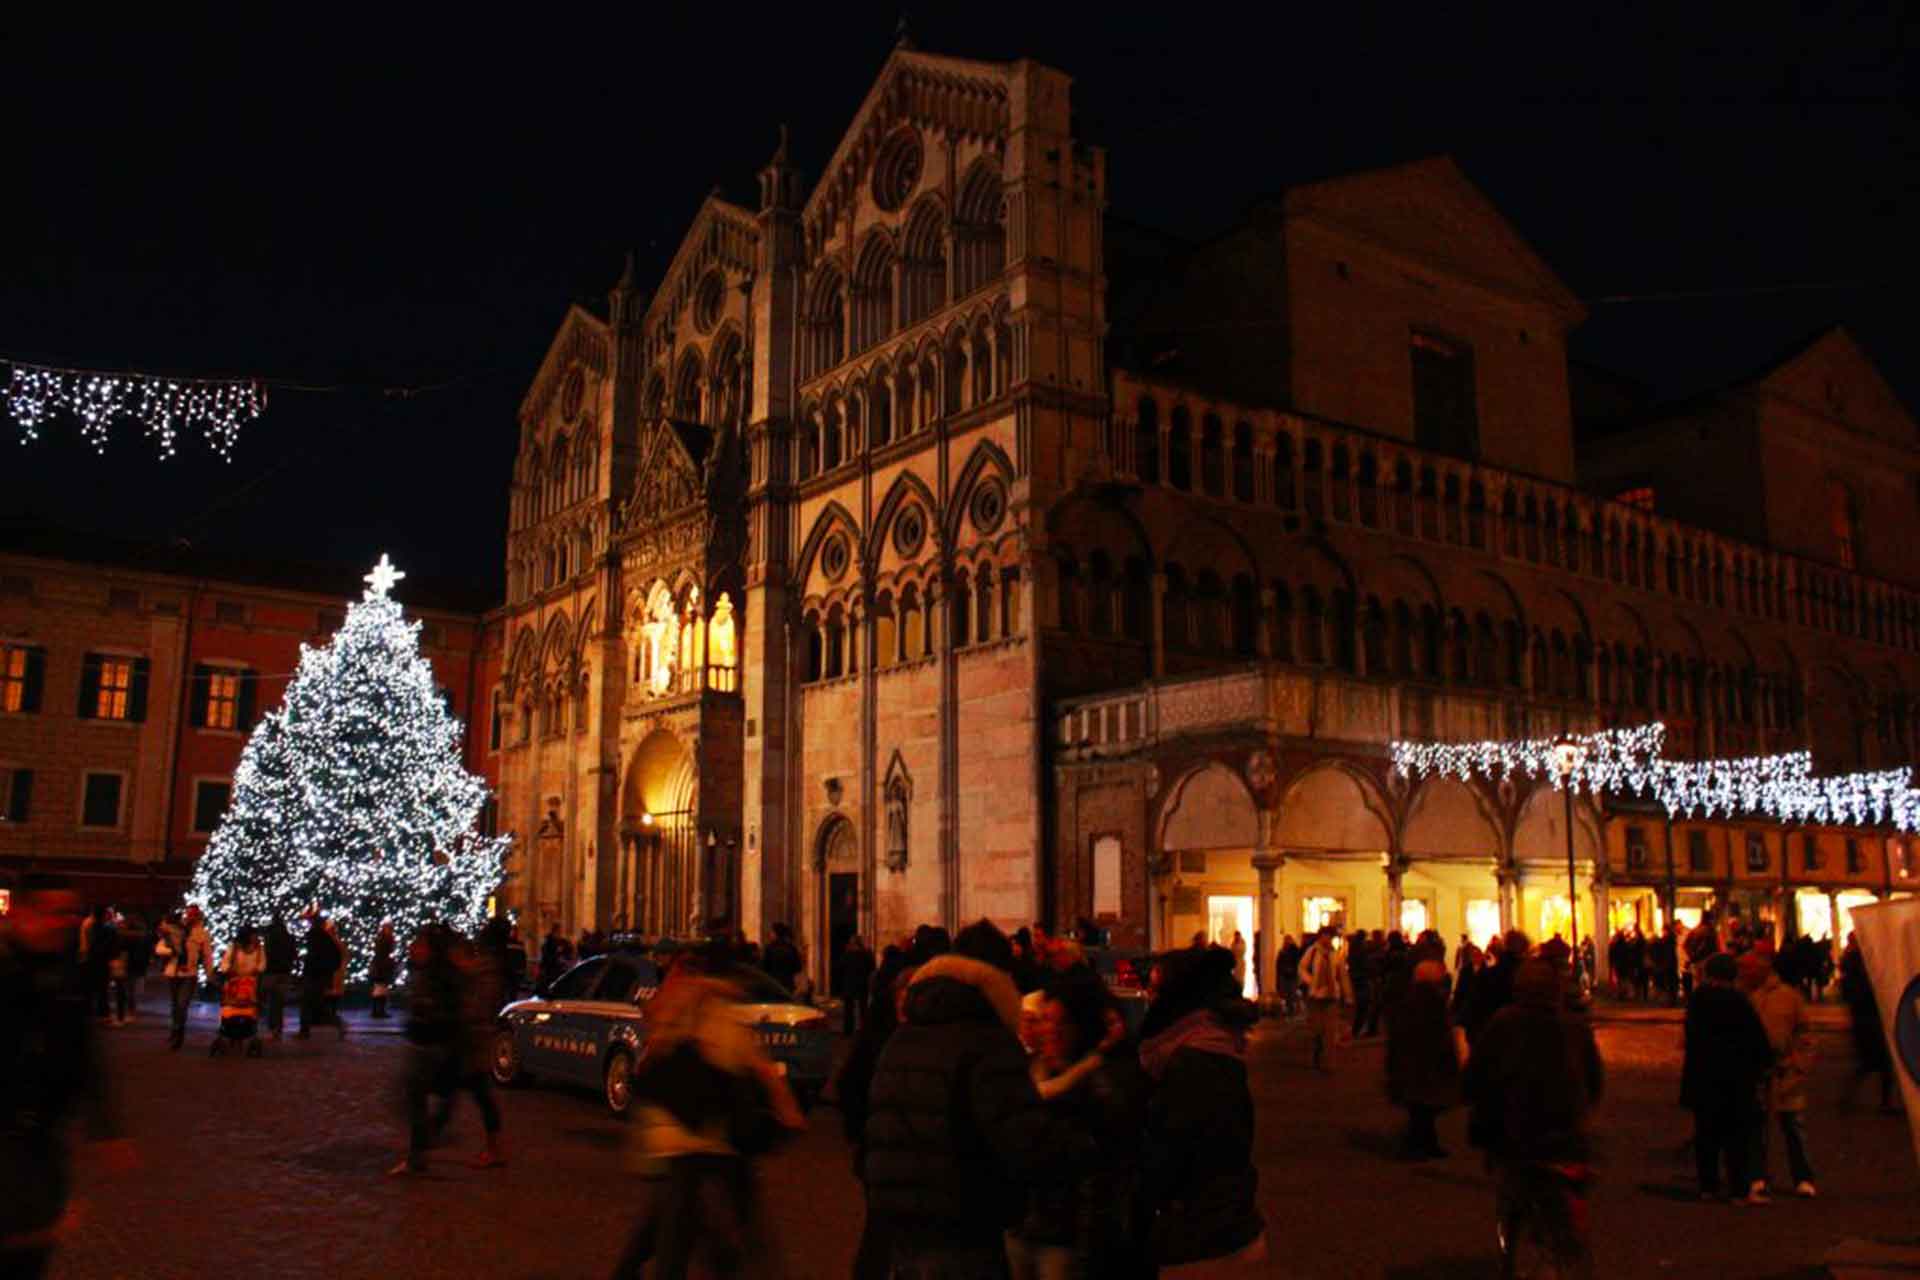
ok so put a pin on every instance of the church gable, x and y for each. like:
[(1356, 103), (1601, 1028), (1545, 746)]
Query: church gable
[(1833, 377), (669, 480), (1429, 210), (720, 246), (581, 340)]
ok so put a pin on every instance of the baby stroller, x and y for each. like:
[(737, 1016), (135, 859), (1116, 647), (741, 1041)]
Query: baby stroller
[(239, 1015)]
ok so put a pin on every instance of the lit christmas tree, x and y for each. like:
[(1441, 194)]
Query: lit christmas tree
[(350, 797)]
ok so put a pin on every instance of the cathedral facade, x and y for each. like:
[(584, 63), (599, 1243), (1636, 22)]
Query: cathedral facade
[(929, 544)]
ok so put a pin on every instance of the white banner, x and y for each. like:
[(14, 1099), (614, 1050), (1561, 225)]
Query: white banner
[(1890, 942)]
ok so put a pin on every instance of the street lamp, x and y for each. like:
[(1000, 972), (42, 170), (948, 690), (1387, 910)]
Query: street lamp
[(1568, 756)]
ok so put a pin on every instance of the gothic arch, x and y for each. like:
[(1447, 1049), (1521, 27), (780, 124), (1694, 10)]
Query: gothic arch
[(556, 645), (1320, 802), (907, 484), (986, 456), (1447, 816), (831, 516), (1540, 834), (1198, 529), (1210, 807)]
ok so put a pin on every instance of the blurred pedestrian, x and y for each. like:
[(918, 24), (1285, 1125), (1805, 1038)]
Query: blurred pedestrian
[(1423, 1063), (1727, 1058), (695, 1134), (50, 1065), (1783, 1012), (119, 967), (190, 954), (856, 983), (781, 958), (278, 943), (1870, 1056), (325, 962), (432, 1029), (240, 970), (382, 974), (1197, 1174), (481, 969), (1329, 983), (1493, 985)]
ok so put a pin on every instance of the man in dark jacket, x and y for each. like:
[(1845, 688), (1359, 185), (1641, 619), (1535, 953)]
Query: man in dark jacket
[(1493, 986), (1534, 1075), (1727, 1056), (278, 973), (780, 958), (49, 1063), (323, 960), (956, 1132)]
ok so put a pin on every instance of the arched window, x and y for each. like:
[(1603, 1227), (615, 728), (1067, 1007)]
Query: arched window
[(1283, 488), (1010, 601), (1176, 630), (981, 352), (826, 320), (1406, 642), (886, 639), (873, 292), (1312, 481), (1342, 490), (983, 603), (1180, 449), (1002, 355), (923, 260), (1373, 638), (833, 437), (1209, 608), (1100, 594), (686, 389), (728, 379), (816, 649), (1135, 610), (1345, 623), (653, 400), (808, 444), (1313, 626), (1242, 462), (880, 406), (557, 476), (955, 385), (960, 612), (1146, 441), (979, 230), (913, 629), (1213, 479)]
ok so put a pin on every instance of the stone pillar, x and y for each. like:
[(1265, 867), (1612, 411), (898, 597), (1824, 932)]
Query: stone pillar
[(1157, 622), (1508, 880), (1833, 914), (1602, 931), (1396, 881), (1266, 865), (1263, 634)]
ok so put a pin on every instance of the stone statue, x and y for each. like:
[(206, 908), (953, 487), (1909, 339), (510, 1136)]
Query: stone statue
[(896, 826)]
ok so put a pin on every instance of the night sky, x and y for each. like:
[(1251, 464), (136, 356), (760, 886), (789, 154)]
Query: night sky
[(362, 204)]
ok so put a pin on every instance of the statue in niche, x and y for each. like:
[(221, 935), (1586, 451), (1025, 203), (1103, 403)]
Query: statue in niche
[(896, 852)]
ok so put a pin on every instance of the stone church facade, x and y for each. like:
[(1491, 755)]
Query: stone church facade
[(928, 544)]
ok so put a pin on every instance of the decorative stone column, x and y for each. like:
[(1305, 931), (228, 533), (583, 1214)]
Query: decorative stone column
[(1396, 884), (1157, 621), (1266, 865), (1509, 882)]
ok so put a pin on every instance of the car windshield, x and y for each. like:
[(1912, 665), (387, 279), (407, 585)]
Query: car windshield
[(577, 981), (627, 976)]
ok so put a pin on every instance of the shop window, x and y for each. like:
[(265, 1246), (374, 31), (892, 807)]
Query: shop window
[(1483, 920), (1699, 857), (1756, 851), (1637, 858), (23, 675), (100, 800), (210, 800), (1317, 913)]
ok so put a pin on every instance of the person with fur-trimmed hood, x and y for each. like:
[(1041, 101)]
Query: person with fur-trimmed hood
[(956, 1132), (1197, 1171)]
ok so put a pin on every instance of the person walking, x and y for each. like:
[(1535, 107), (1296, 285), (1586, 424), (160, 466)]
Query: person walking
[(956, 1131), (136, 941), (1239, 948), (1329, 983), (382, 974), (119, 970), (1532, 1081), (481, 969), (432, 1031), (1197, 1174), (240, 970), (691, 1132), (553, 954), (1423, 1064), (1094, 1224), (50, 1067), (190, 954), (1870, 1056), (1727, 1058), (324, 961), (1783, 1012), (1493, 985), (1286, 975), (278, 944), (1360, 973), (856, 984)]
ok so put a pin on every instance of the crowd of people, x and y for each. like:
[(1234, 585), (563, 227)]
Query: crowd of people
[(1006, 1114)]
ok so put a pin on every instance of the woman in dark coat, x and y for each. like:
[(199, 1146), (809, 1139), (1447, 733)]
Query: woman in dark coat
[(1423, 1066), (1197, 1172)]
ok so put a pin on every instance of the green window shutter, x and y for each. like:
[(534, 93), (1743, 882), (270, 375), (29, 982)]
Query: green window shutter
[(137, 696), (89, 701), (20, 795), (197, 691), (36, 680), (249, 699)]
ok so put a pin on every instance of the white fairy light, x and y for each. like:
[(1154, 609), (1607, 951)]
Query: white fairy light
[(1782, 787), (216, 408), (351, 796)]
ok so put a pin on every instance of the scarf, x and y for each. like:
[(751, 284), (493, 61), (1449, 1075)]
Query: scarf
[(1202, 1030)]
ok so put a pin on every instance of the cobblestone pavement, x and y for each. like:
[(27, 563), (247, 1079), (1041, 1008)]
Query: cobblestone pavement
[(274, 1167)]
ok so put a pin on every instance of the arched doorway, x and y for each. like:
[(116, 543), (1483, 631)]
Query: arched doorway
[(1208, 837), (836, 855), (660, 883)]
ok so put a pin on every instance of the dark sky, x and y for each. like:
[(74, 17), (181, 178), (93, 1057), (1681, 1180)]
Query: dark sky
[(369, 200)]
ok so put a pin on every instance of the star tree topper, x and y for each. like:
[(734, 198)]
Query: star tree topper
[(381, 580)]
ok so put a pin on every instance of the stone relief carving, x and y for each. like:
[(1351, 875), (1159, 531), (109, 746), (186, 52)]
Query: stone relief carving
[(897, 797)]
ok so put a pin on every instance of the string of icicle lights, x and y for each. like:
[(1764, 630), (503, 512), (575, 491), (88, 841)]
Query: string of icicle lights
[(1782, 787), (217, 408)]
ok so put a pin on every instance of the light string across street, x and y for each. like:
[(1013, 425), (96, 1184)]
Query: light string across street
[(215, 407), (1629, 760)]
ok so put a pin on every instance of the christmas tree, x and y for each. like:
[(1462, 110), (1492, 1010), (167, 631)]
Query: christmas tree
[(350, 798)]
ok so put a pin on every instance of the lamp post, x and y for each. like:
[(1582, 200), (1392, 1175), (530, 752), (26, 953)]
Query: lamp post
[(1568, 756)]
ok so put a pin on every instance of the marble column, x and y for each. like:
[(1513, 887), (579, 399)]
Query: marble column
[(1266, 865)]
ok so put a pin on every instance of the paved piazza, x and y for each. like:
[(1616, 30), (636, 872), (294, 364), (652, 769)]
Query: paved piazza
[(274, 1167)]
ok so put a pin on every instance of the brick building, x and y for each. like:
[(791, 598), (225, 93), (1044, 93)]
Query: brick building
[(929, 543), (129, 679)]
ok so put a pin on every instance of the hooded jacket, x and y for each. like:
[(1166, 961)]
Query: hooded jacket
[(956, 1132)]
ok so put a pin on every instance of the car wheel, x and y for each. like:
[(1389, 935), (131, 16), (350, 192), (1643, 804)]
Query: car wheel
[(619, 1083), (505, 1058)]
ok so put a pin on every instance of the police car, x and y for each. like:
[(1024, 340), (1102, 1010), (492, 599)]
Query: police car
[(588, 1026)]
